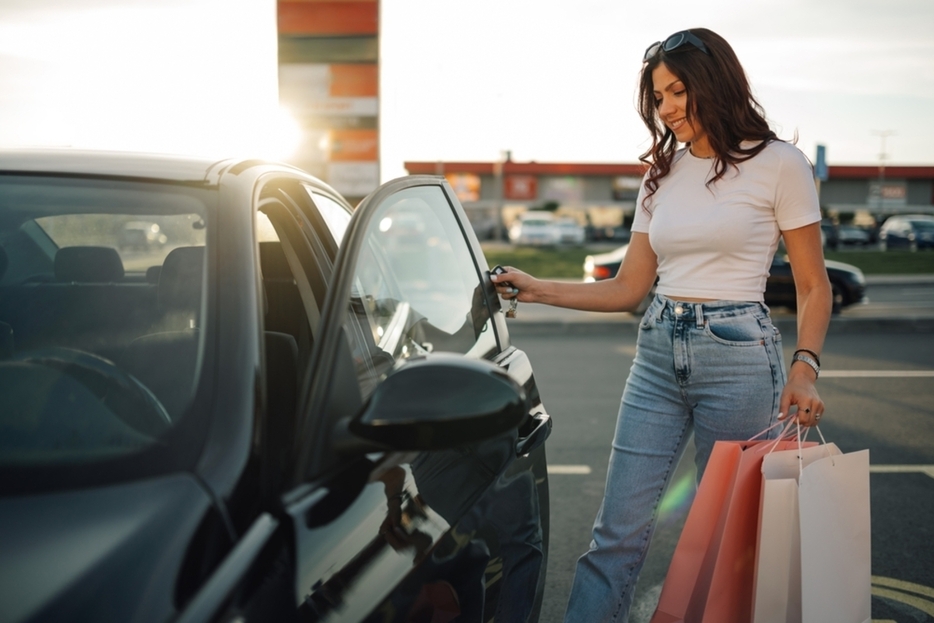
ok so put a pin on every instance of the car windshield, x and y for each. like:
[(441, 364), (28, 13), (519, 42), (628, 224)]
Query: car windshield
[(923, 225), (101, 315)]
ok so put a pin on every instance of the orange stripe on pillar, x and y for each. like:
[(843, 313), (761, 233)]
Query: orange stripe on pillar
[(329, 18), (354, 80)]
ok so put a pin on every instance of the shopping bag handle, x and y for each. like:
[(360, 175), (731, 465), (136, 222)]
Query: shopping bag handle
[(786, 435), (776, 424)]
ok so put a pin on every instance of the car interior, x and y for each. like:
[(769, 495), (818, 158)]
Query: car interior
[(99, 333)]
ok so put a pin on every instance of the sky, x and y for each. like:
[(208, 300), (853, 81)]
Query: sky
[(547, 80)]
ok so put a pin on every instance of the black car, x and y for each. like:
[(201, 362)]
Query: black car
[(846, 281), (290, 411)]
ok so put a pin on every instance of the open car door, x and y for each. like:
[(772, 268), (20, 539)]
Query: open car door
[(419, 488)]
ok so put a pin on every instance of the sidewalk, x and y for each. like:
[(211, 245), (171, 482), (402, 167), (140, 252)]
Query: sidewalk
[(534, 319)]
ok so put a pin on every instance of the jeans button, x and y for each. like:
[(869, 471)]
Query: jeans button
[(679, 310)]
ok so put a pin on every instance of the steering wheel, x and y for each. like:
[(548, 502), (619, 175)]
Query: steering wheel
[(122, 393)]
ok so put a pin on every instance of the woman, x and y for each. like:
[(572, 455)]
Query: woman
[(708, 361)]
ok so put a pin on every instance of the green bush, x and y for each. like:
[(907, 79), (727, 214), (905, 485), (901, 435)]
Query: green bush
[(887, 262), (548, 263)]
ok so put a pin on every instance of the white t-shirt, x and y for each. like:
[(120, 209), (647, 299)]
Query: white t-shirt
[(717, 241)]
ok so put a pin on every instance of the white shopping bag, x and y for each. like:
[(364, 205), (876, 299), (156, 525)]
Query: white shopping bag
[(836, 551), (813, 554)]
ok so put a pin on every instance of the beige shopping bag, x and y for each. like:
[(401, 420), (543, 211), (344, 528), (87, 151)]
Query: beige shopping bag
[(813, 554), (777, 594)]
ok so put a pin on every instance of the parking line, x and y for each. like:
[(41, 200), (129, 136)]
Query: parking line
[(918, 603), (902, 585), (879, 374), (578, 470), (902, 469), (583, 470)]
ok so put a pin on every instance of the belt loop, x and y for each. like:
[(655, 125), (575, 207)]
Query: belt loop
[(662, 304), (699, 315)]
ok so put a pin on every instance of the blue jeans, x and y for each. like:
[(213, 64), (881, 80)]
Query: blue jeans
[(714, 369)]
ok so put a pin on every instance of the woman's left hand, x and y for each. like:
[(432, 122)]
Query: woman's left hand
[(801, 392)]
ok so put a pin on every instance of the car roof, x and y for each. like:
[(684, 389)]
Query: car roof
[(118, 164)]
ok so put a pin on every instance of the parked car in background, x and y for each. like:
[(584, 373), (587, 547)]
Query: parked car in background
[(311, 414), (907, 231), (851, 235), (570, 231), (846, 281), (535, 228), (141, 236)]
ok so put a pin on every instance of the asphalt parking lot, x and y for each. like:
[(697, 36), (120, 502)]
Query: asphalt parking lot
[(877, 381)]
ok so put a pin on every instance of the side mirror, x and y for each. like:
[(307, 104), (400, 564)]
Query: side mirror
[(439, 401)]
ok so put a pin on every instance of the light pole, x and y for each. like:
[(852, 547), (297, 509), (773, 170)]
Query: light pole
[(505, 156), (882, 134)]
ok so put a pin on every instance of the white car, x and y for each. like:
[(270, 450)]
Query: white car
[(570, 232), (536, 228)]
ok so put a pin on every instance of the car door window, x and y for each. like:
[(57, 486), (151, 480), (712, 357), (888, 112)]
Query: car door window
[(335, 216), (416, 288)]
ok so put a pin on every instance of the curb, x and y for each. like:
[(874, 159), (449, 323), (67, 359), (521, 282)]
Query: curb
[(881, 280)]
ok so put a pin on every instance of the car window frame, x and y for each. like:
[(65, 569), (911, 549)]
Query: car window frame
[(314, 431)]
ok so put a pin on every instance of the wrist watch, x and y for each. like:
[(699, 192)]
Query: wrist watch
[(808, 360)]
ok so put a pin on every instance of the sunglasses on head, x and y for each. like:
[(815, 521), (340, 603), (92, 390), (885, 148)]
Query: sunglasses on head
[(674, 42)]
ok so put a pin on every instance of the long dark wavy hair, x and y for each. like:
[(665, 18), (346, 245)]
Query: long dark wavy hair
[(719, 100)]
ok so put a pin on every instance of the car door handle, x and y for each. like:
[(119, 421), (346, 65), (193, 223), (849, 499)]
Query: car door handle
[(540, 424)]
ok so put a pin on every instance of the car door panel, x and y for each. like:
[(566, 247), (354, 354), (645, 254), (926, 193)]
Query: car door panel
[(397, 537)]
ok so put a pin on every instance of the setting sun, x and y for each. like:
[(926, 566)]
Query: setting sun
[(147, 77)]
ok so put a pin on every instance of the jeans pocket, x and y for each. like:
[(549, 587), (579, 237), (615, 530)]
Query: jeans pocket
[(743, 330), (650, 315)]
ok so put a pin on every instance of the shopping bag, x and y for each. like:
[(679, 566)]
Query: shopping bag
[(814, 547), (710, 578)]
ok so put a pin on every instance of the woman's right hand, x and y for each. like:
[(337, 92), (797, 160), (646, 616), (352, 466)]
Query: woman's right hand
[(622, 293), (515, 284)]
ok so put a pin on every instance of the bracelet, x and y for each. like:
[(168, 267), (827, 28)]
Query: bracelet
[(810, 352), (810, 362)]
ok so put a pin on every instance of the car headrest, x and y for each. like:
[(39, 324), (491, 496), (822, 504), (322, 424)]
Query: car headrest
[(180, 280), (88, 264)]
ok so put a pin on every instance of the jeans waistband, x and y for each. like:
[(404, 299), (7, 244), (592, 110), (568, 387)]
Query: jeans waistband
[(688, 311)]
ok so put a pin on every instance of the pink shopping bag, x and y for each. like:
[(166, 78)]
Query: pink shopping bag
[(710, 579)]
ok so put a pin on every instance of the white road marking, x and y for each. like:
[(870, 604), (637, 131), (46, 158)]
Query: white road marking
[(879, 374), (583, 470), (577, 470), (902, 469)]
